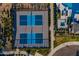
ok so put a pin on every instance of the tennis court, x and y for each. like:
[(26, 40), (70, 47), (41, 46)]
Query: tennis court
[(31, 29)]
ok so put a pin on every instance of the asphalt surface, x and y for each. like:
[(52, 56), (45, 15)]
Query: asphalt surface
[(68, 51)]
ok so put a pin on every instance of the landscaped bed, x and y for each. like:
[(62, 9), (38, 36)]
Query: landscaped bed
[(42, 51)]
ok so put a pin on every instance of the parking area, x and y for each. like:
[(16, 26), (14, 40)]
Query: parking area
[(68, 51)]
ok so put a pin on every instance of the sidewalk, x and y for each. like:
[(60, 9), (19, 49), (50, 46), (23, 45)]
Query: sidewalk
[(61, 46)]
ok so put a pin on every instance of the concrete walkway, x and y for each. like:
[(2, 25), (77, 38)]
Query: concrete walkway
[(61, 46), (52, 26), (15, 52)]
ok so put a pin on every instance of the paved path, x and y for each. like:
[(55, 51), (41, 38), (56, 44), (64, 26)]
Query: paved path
[(52, 26), (15, 52), (67, 51), (61, 46)]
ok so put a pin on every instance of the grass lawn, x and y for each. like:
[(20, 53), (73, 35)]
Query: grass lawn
[(44, 51), (61, 39)]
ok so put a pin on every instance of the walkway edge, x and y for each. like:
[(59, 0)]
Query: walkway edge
[(61, 46)]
